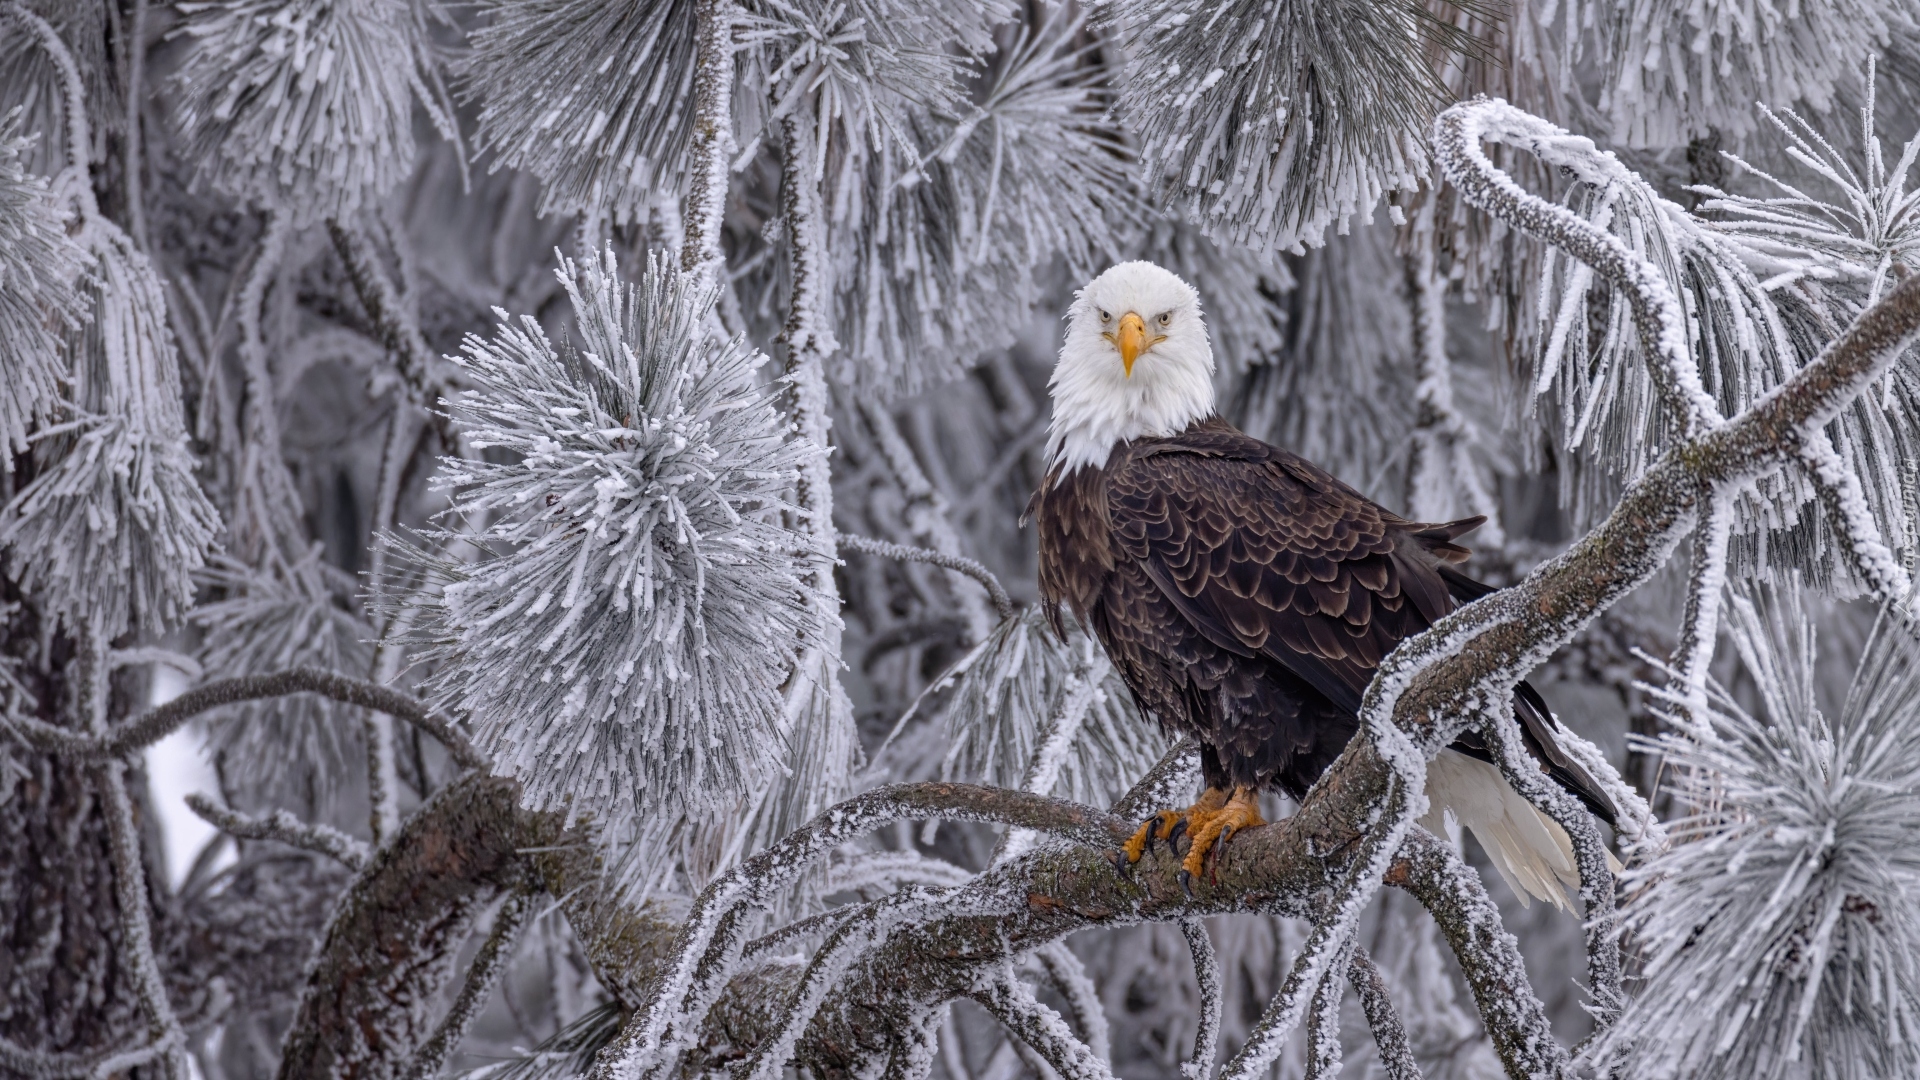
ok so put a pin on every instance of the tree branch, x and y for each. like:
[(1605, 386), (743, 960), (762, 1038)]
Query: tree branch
[(1010, 1002), (1396, 1056), (136, 929), (1069, 976), (163, 720), (285, 828), (1206, 975), (1002, 603), (711, 154), (493, 959), (1323, 1019)]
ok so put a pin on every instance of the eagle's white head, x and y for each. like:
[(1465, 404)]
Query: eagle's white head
[(1136, 363)]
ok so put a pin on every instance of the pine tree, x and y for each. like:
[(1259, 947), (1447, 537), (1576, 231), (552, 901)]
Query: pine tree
[(559, 464)]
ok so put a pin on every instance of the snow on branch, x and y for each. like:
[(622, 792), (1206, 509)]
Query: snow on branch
[(712, 940), (1268, 124), (624, 646), (1389, 1034), (163, 720), (1206, 975), (1323, 1019), (136, 930), (285, 828), (1657, 314), (1002, 603), (489, 964), (1011, 1003)]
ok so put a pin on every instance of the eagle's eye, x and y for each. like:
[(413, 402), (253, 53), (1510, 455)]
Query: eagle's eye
[(1166, 318), (1106, 316)]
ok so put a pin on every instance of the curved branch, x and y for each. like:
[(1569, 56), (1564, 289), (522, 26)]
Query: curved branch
[(163, 720), (284, 827), (1489, 956), (1657, 314), (1589, 855), (1206, 975), (711, 942), (79, 136), (886, 549), (1846, 508), (1011, 1003), (1323, 1019), (1706, 580), (1069, 976), (1389, 1034)]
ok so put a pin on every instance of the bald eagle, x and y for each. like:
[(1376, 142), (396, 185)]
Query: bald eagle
[(1245, 595)]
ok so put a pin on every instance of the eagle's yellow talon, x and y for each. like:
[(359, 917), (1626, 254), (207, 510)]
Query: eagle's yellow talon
[(1143, 837), (1242, 811), (1168, 824)]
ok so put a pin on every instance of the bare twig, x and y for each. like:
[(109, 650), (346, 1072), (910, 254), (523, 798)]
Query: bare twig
[(285, 828), (163, 720), (1389, 1035), (419, 368), (493, 959), (136, 91), (886, 549), (1206, 974)]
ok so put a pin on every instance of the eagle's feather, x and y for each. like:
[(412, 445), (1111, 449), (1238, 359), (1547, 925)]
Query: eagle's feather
[(1247, 596)]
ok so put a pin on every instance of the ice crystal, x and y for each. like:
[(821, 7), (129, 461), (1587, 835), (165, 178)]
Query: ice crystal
[(623, 652), (1685, 68), (304, 106), (1780, 931)]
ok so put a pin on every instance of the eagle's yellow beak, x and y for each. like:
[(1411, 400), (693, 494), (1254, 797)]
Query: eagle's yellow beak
[(1131, 339)]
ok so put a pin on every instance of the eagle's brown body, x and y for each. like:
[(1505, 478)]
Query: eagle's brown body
[(1246, 597)]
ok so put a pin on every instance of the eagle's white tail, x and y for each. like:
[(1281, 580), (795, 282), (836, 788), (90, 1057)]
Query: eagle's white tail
[(1530, 850)]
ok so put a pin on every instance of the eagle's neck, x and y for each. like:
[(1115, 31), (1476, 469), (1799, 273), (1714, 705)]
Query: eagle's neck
[(1094, 414)]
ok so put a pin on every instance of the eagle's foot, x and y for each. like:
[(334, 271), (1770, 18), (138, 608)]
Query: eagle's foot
[(1169, 824), (1241, 811)]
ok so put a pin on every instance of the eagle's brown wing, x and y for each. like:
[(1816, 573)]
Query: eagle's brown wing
[(1268, 555)]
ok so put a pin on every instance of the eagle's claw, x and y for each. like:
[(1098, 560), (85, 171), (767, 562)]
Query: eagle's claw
[(1186, 884)]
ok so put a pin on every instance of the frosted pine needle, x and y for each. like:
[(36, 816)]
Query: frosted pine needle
[(38, 269), (623, 654), (1781, 933), (1008, 690), (307, 105), (110, 532), (1268, 122), (1683, 69)]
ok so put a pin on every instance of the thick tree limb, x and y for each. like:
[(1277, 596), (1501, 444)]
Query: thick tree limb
[(163, 720)]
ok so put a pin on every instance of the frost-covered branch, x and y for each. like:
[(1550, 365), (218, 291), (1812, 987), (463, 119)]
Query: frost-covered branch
[(1706, 582), (420, 370), (710, 157), (1657, 314), (1589, 855), (1010, 1002), (1323, 1019), (1859, 535), (163, 720), (136, 928), (491, 962), (1206, 976), (1002, 603), (1389, 1034), (1069, 976), (284, 827)]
